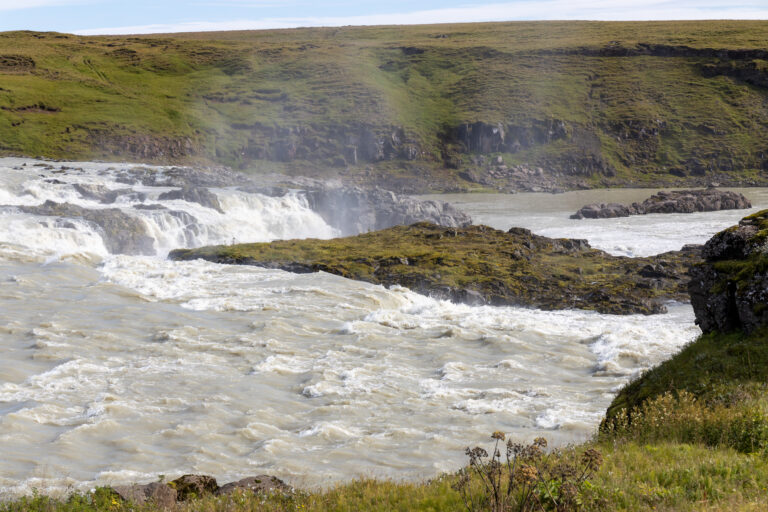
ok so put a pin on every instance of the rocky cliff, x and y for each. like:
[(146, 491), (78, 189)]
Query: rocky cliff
[(729, 290)]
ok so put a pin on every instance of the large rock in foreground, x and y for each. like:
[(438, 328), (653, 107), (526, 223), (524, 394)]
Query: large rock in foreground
[(729, 291), (479, 265), (678, 201), (166, 496)]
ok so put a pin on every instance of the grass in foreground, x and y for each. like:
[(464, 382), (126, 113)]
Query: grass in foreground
[(633, 476)]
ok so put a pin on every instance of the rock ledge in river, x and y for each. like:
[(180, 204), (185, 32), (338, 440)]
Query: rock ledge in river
[(678, 201)]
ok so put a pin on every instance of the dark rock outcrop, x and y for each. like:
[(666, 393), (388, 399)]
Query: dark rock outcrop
[(103, 194), (255, 484), (604, 211), (198, 195), (161, 495), (678, 201), (189, 487), (144, 147), (16, 63), (729, 290), (751, 72), (122, 233)]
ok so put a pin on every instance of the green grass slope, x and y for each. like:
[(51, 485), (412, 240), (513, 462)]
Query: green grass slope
[(421, 107)]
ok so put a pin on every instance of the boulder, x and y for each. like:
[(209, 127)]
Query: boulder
[(161, 495), (104, 195), (189, 487), (96, 192), (198, 195), (603, 211), (256, 484)]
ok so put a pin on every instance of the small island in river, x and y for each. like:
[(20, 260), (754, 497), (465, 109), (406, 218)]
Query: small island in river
[(479, 265)]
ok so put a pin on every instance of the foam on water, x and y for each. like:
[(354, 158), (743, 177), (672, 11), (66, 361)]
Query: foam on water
[(156, 367), (639, 235), (179, 223)]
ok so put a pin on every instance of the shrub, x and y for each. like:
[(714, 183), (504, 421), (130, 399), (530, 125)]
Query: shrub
[(682, 417), (527, 479)]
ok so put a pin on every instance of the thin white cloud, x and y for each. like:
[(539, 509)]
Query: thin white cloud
[(17, 5), (608, 10)]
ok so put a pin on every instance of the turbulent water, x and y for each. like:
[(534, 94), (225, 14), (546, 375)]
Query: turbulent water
[(638, 235), (120, 368)]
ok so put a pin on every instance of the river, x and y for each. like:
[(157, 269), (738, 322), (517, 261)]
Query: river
[(121, 368)]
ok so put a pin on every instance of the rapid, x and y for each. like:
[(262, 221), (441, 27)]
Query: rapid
[(119, 368)]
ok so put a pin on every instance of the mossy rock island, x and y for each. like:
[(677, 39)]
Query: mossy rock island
[(479, 265)]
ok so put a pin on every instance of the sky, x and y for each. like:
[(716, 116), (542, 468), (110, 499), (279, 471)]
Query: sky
[(148, 16)]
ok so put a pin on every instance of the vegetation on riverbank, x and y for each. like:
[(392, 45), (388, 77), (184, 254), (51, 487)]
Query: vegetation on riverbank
[(635, 476), (478, 264), (436, 107)]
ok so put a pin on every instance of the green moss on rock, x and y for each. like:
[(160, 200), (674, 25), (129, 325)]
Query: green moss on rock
[(479, 264)]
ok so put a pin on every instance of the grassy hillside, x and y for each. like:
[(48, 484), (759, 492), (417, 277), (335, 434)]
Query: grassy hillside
[(424, 107)]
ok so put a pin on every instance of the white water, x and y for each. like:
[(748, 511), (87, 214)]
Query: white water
[(120, 368), (639, 235)]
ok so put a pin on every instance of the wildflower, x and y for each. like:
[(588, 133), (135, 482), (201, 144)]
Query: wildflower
[(526, 474), (499, 435), (592, 459)]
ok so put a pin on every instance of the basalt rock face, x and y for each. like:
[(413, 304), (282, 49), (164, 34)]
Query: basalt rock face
[(729, 290), (105, 195), (199, 195), (255, 484), (122, 233), (679, 201), (161, 495), (479, 265)]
